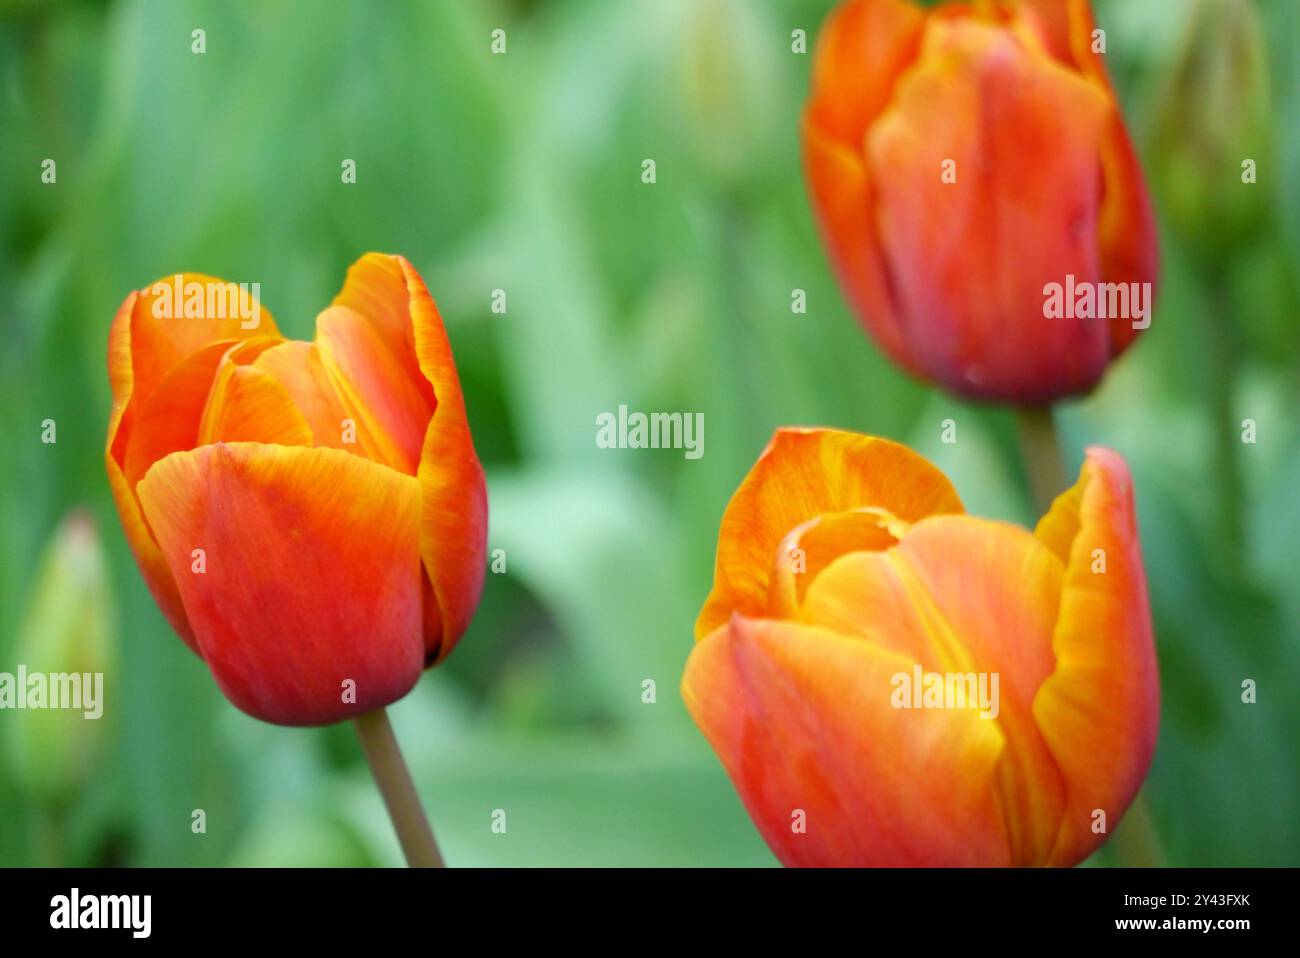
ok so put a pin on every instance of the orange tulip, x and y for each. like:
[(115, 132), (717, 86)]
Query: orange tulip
[(978, 193), (857, 620), (310, 517)]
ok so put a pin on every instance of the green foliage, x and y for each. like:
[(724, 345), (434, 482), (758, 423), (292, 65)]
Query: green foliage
[(523, 172)]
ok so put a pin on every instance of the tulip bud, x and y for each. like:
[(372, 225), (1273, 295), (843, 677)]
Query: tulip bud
[(66, 646), (727, 70), (1212, 129), (978, 194), (889, 681), (311, 517)]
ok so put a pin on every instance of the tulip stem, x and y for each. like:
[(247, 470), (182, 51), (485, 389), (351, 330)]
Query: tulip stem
[(1221, 392), (1042, 454), (394, 781), (49, 831), (1135, 842)]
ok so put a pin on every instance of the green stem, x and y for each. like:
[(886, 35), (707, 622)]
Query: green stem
[(49, 836), (1134, 842), (1222, 390), (394, 781), (1042, 455)]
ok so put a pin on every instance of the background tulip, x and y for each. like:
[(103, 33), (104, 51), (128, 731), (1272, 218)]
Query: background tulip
[(1212, 123), (844, 561), (69, 628), (1212, 147), (311, 517), (959, 161)]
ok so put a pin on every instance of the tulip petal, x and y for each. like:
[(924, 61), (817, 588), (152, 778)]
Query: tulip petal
[(374, 288), (966, 596), (1055, 21), (862, 48), (297, 367), (803, 720), (1126, 227), (1099, 712), (375, 387), (168, 420), (844, 203), (312, 574), (805, 473), (146, 344), (453, 536), (158, 343), (153, 567), (815, 544), (972, 259), (247, 404), (861, 51)]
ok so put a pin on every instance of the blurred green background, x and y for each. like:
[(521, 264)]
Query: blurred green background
[(522, 172)]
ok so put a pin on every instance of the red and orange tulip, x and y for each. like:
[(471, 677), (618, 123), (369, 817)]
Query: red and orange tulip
[(951, 277), (310, 517), (845, 561)]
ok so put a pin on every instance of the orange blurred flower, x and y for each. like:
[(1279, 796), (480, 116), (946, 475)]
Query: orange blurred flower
[(310, 517), (852, 598), (966, 163)]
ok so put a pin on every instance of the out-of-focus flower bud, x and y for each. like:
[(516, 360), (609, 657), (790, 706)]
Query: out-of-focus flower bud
[(1212, 133), (728, 72), (55, 714)]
